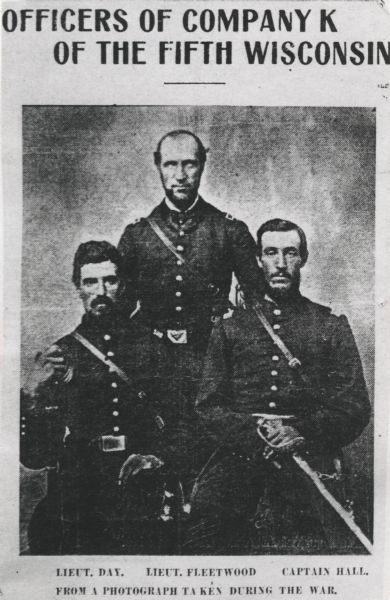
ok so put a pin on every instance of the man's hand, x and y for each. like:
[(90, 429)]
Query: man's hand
[(136, 463), (281, 437), (48, 365)]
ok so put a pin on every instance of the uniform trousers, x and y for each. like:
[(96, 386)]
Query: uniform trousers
[(87, 512), (188, 453), (247, 505)]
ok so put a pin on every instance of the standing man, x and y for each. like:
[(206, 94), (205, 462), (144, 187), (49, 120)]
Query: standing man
[(95, 412), (181, 258), (289, 370)]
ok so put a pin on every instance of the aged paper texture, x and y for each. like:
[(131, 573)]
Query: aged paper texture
[(292, 103)]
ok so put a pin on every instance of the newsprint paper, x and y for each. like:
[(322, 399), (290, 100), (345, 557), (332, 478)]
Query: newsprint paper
[(280, 112)]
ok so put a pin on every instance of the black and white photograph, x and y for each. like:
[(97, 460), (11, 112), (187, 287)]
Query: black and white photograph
[(194, 352), (197, 330)]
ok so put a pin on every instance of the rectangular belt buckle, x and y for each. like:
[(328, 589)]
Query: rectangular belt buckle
[(112, 443), (177, 336)]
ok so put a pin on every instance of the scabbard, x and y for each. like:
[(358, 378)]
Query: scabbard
[(344, 514)]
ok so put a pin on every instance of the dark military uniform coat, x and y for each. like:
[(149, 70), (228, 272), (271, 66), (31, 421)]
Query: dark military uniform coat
[(63, 428), (212, 243), (246, 373)]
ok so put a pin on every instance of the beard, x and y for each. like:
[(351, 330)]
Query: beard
[(101, 307), (284, 293), (183, 201)]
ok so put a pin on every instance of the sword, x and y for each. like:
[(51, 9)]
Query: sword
[(335, 504), (344, 514)]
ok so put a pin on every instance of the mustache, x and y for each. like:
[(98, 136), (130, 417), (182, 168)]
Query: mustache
[(281, 274), (102, 300)]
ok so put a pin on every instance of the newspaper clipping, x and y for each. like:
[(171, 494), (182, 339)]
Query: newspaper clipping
[(195, 317)]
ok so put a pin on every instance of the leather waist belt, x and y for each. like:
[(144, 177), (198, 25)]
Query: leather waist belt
[(181, 335), (176, 336), (103, 443), (110, 443)]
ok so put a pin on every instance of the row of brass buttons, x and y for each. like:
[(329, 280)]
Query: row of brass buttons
[(114, 386), (275, 358)]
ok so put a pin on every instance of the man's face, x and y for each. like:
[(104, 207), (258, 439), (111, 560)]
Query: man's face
[(99, 287), (281, 261), (180, 169)]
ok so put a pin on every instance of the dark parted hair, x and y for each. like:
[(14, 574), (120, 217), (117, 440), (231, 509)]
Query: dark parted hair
[(95, 252), (283, 225), (202, 151)]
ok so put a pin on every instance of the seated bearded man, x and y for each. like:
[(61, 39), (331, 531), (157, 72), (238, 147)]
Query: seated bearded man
[(97, 411), (282, 383)]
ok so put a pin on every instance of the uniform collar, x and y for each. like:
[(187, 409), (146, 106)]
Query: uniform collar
[(291, 301), (171, 206), (120, 326), (187, 221), (97, 327), (269, 299), (136, 310)]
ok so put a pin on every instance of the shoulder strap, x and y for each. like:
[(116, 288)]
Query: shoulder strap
[(163, 237), (121, 374), (210, 287), (96, 352), (293, 362)]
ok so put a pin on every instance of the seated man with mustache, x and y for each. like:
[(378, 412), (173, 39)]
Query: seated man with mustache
[(306, 396), (95, 411)]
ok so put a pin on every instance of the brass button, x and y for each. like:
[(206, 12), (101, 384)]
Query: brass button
[(276, 326), (115, 413), (274, 373), (277, 312), (116, 428), (179, 308), (179, 278), (274, 388), (179, 263), (181, 233), (180, 248), (114, 384), (115, 400), (275, 358), (107, 337), (272, 404), (109, 353), (178, 294)]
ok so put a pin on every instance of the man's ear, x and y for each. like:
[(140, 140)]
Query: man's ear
[(259, 261), (304, 259), (121, 287)]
